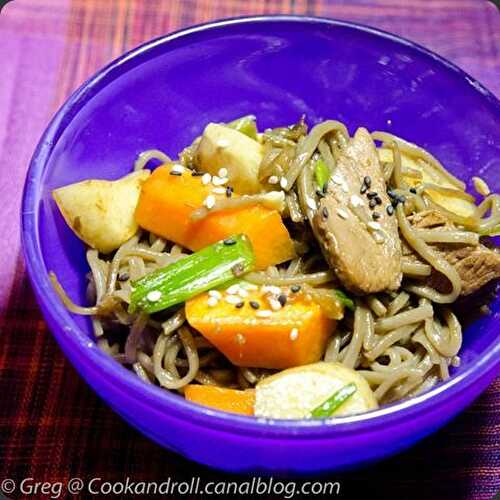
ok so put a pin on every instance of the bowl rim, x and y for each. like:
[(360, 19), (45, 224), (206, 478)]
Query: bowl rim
[(161, 399)]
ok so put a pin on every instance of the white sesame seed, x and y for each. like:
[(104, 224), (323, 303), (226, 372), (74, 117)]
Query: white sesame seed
[(215, 293), (222, 143), (232, 299), (294, 334), (206, 179), (374, 225), (273, 179), (233, 289), (344, 187), (209, 201), (177, 168), (275, 304), (480, 186), (212, 302), (219, 181), (154, 296), (242, 293), (283, 183), (342, 213), (219, 190), (251, 286), (338, 179), (311, 204), (356, 201), (222, 172), (275, 290), (264, 313), (240, 338)]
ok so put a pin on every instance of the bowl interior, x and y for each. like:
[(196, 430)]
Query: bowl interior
[(164, 95)]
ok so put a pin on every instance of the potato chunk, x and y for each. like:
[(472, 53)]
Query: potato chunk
[(295, 392), (223, 147), (455, 204), (100, 212)]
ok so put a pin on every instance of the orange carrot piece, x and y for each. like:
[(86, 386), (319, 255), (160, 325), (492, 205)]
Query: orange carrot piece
[(167, 202), (292, 336), (265, 229), (230, 400)]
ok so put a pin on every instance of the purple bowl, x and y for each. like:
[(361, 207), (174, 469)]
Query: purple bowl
[(160, 96)]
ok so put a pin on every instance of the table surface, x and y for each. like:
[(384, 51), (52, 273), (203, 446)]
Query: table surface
[(52, 426)]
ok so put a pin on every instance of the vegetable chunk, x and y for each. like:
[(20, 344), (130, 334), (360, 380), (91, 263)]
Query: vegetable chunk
[(230, 400), (298, 392), (257, 223), (168, 201), (224, 147), (418, 172), (213, 266), (100, 212), (260, 333)]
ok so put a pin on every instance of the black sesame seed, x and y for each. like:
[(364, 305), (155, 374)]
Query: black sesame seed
[(123, 277), (239, 305), (254, 304), (175, 172), (389, 209), (295, 288), (282, 299), (413, 190), (372, 203), (238, 270), (376, 215), (402, 199), (392, 194), (194, 173), (229, 191), (229, 242), (367, 180), (371, 194), (378, 200), (364, 189), (325, 213)]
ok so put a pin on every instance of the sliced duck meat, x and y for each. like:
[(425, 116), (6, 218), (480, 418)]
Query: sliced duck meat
[(429, 219), (476, 265), (358, 235)]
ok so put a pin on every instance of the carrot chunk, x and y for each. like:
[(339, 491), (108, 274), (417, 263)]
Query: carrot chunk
[(258, 223), (167, 202), (230, 400), (261, 337)]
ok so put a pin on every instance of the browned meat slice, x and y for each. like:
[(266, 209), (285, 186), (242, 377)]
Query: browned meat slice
[(364, 252), (476, 265), (430, 219)]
